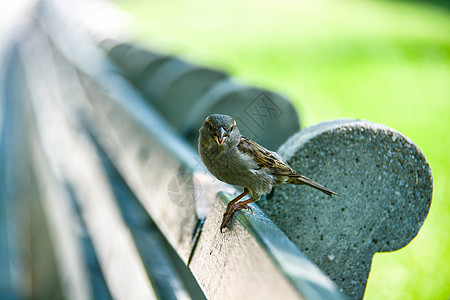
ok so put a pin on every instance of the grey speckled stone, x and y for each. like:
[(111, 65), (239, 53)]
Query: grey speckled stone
[(386, 186)]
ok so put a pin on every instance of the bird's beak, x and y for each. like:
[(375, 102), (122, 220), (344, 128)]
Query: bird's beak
[(220, 136)]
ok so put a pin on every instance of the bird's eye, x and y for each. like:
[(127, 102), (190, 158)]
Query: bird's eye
[(209, 125)]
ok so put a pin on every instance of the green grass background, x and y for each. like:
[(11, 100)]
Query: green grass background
[(384, 61)]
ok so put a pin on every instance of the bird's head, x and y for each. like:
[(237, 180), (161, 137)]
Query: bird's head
[(220, 128)]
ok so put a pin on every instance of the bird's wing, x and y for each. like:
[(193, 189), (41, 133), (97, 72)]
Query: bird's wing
[(265, 158)]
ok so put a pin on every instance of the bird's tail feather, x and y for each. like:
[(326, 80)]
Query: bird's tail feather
[(300, 179)]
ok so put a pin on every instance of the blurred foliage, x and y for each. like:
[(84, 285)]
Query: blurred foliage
[(387, 62)]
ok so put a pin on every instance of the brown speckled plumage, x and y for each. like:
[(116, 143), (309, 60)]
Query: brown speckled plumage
[(240, 161)]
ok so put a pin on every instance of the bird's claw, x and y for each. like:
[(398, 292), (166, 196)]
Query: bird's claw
[(226, 219), (246, 207), (229, 212), (229, 207), (227, 215)]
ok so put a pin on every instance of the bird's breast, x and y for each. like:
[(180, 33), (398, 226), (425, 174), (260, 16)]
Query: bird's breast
[(237, 168)]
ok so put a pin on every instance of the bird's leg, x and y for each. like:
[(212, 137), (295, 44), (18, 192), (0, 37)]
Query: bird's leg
[(232, 202), (244, 204), (235, 207)]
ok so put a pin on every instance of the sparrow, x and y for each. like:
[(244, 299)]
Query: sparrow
[(237, 160)]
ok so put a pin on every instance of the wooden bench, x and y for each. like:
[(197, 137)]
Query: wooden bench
[(127, 210)]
